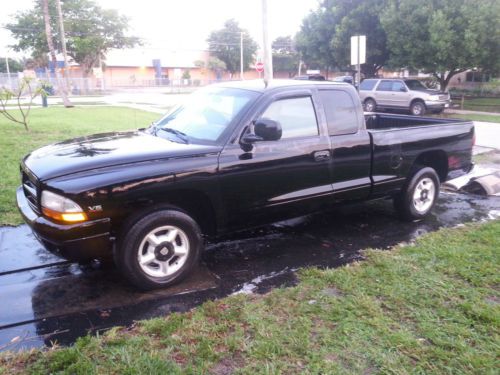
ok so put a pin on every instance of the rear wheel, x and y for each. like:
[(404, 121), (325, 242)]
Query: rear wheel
[(417, 108), (160, 249), (370, 105), (418, 196)]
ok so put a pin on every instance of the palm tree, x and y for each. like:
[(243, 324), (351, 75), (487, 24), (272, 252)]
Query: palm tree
[(48, 33)]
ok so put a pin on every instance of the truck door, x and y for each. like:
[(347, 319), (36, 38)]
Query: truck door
[(271, 180), (351, 150)]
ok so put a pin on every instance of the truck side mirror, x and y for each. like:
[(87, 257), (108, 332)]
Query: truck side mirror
[(267, 129)]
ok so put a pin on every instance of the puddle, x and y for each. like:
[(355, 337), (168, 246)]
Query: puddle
[(45, 300)]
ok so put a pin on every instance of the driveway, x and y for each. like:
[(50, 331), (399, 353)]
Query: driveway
[(487, 134), (47, 300)]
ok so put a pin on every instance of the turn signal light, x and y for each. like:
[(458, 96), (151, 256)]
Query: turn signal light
[(69, 217)]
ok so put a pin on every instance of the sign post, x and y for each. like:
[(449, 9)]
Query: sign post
[(358, 54)]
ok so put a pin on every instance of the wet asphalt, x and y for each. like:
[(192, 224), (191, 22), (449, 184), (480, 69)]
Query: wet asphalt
[(45, 300)]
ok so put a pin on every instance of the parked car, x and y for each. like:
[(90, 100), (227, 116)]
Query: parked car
[(346, 79), (310, 77), (235, 155), (402, 94)]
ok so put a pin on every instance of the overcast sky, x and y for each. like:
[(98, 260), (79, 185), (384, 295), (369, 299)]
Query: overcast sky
[(185, 24)]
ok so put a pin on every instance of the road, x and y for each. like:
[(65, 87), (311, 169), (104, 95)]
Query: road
[(47, 300)]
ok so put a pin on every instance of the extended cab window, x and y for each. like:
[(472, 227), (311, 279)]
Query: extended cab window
[(384, 86), (368, 84), (340, 112), (295, 115)]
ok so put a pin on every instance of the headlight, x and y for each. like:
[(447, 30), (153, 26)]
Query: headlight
[(60, 208), (434, 97)]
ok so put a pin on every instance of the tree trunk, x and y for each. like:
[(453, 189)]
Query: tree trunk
[(444, 78), (48, 32)]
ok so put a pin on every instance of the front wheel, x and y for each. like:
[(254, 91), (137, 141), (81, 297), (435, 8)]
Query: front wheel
[(160, 249), (417, 108), (419, 195), (370, 105)]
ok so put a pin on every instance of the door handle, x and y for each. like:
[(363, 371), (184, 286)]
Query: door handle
[(321, 155)]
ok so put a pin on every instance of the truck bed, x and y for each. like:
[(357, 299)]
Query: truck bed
[(384, 121), (398, 140)]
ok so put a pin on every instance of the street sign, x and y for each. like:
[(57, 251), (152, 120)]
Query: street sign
[(358, 48), (259, 67)]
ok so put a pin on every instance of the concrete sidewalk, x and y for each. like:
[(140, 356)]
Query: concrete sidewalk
[(487, 134)]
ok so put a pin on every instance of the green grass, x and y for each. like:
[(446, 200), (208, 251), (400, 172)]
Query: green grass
[(481, 104), (426, 308), (472, 117), (48, 125)]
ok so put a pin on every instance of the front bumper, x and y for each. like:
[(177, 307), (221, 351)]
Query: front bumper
[(437, 104), (76, 242)]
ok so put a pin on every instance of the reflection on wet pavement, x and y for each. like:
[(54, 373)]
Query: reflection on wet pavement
[(48, 300)]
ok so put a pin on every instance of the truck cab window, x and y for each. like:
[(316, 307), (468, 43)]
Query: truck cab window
[(340, 112), (296, 116)]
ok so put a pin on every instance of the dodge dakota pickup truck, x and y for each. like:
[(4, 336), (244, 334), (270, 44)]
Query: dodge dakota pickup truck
[(233, 156)]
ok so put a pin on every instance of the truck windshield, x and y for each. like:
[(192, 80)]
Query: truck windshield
[(205, 115), (414, 84)]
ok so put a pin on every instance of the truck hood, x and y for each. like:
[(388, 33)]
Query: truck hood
[(105, 150)]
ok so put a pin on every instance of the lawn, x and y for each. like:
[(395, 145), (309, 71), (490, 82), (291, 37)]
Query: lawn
[(472, 117), (425, 308), (48, 125), (482, 104)]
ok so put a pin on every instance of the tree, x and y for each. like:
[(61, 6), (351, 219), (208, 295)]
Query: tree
[(361, 17), (443, 37), (285, 56), (25, 90), (324, 37), (48, 33), (215, 64), (90, 31), (225, 45), (313, 41), (14, 65)]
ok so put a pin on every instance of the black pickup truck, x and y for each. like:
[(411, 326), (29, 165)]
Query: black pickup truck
[(232, 156)]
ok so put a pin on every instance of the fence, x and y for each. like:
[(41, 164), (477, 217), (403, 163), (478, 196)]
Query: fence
[(96, 86)]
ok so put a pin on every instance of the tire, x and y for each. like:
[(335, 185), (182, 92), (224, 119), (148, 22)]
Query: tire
[(417, 108), (370, 105), (159, 249), (418, 196)]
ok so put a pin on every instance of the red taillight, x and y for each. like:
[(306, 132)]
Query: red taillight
[(473, 139)]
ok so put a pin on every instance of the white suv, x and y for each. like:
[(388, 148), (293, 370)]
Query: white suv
[(407, 94)]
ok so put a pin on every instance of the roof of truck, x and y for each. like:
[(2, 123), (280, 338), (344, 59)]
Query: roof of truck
[(259, 86)]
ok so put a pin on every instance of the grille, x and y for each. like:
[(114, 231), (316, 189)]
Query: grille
[(30, 191)]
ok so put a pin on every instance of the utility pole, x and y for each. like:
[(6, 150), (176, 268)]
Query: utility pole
[(241, 55), (63, 42), (268, 56), (358, 67)]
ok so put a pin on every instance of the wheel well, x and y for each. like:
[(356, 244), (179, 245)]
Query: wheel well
[(197, 205), (194, 203), (437, 160), (417, 100)]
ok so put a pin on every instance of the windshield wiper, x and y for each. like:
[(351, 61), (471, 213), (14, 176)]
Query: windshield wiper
[(182, 136)]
